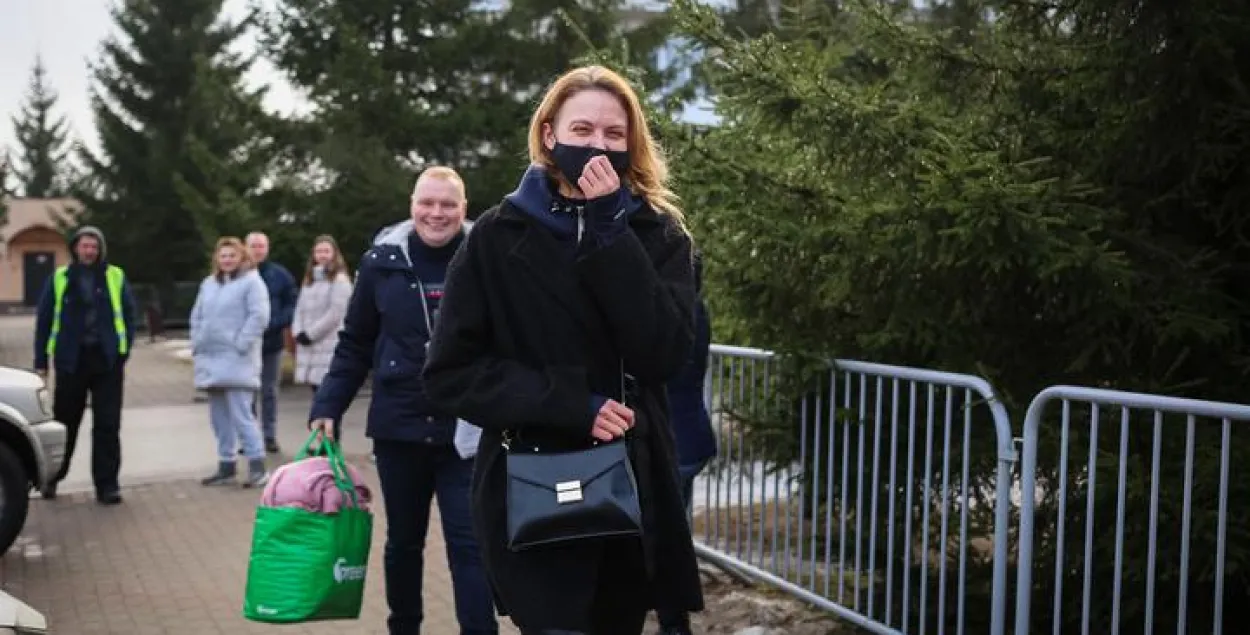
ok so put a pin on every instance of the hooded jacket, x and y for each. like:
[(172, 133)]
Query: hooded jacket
[(77, 313), (384, 331), (227, 324)]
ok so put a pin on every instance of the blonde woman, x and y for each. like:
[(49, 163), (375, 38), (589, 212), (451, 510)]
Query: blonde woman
[(227, 325), (567, 309), (323, 297)]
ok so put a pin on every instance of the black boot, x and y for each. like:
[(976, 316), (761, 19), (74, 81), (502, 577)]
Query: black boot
[(224, 475), (674, 623)]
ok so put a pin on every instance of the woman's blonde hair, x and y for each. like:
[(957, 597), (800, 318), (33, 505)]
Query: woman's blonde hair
[(648, 172), (333, 267), (245, 258)]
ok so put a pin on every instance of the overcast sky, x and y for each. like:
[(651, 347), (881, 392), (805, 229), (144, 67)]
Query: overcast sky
[(67, 33)]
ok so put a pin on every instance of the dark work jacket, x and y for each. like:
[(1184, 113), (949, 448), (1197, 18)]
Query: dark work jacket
[(73, 316), (384, 331), (525, 337), (283, 294)]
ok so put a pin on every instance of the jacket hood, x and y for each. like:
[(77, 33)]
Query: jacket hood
[(94, 232), (397, 235), (535, 197)]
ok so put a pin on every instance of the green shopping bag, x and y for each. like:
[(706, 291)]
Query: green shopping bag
[(308, 566)]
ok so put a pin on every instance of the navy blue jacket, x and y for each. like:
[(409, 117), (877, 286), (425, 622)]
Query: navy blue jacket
[(692, 426), (384, 331), (73, 313), (283, 294)]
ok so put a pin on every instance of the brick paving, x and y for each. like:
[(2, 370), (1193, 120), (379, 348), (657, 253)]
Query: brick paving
[(173, 557)]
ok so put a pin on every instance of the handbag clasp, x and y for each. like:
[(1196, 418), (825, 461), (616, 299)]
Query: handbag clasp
[(569, 492)]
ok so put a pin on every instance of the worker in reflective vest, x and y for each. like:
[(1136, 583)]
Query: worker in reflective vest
[(85, 329)]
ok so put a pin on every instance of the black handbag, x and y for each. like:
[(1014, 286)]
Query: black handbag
[(558, 497)]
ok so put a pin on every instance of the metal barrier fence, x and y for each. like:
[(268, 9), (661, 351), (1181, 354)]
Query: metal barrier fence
[(782, 521), (867, 523), (1194, 576)]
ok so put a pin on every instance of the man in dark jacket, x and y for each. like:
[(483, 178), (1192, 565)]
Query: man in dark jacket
[(386, 330), (85, 329), (692, 426), (283, 293)]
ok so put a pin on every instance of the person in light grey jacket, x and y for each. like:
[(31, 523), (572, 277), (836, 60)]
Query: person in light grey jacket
[(324, 294), (227, 326)]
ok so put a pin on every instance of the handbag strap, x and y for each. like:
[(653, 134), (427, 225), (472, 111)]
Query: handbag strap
[(622, 368)]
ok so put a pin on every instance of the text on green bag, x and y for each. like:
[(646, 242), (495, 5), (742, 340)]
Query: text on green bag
[(347, 573)]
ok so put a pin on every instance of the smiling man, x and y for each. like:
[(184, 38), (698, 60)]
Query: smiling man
[(389, 319)]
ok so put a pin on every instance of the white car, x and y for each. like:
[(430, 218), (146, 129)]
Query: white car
[(18, 619), (32, 447)]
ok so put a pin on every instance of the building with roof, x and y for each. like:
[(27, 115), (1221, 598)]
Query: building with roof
[(32, 246)]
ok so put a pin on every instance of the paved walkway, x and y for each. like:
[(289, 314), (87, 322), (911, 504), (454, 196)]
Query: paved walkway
[(173, 557)]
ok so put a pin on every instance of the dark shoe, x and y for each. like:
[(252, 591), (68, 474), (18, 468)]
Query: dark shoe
[(109, 498), (257, 475), (677, 625), (271, 446), (224, 475), (49, 491)]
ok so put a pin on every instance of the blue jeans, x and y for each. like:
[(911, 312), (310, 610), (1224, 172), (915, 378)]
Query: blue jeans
[(230, 412), (271, 364), (411, 474)]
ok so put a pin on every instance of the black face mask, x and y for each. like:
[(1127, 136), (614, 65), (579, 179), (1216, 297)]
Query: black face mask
[(572, 160)]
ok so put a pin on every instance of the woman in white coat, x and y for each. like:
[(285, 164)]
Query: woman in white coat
[(227, 324), (323, 298)]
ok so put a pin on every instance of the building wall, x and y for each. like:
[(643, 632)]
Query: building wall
[(35, 239), (32, 226)]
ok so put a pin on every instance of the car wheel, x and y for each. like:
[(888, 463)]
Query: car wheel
[(14, 497)]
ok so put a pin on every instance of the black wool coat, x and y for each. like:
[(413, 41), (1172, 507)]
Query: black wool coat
[(524, 338)]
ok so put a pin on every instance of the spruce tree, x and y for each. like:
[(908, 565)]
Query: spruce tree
[(42, 139), (6, 172), (399, 86), (5, 190), (1009, 197), (396, 86), (183, 144)]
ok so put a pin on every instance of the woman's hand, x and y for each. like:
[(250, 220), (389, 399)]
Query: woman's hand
[(598, 178), (613, 420)]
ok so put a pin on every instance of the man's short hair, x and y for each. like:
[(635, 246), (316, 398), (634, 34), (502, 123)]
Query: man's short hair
[(444, 173)]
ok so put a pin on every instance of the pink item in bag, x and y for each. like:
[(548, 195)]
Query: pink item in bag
[(309, 484)]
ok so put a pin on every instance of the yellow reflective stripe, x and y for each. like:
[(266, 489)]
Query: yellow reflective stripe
[(60, 279), (114, 279)]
